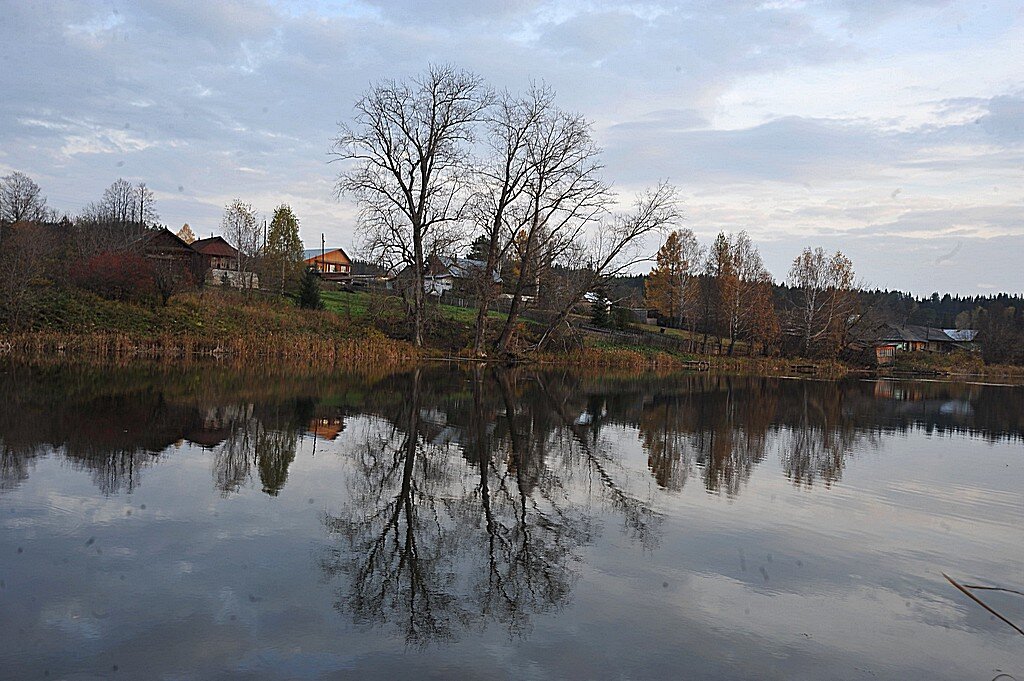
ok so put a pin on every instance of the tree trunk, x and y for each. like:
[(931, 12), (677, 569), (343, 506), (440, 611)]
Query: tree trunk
[(484, 298), (418, 306)]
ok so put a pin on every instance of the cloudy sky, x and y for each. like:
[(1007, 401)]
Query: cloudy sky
[(893, 129)]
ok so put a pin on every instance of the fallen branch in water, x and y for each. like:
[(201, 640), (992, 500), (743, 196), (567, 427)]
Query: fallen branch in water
[(975, 587), (981, 602)]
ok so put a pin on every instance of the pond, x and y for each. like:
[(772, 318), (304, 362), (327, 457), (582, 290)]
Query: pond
[(481, 523)]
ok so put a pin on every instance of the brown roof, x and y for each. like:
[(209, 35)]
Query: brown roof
[(215, 245), (162, 240)]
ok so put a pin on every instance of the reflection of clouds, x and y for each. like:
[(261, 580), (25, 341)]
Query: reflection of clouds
[(772, 580), (73, 618)]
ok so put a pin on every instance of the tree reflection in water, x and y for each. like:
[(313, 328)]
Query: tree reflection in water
[(472, 494), (432, 543)]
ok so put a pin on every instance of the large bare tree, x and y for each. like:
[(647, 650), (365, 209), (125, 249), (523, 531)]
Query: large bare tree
[(501, 182), (562, 195), (408, 148), (617, 246)]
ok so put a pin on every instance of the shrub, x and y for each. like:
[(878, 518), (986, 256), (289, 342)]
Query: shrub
[(115, 275)]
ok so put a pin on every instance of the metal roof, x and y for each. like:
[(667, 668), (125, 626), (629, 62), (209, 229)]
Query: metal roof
[(311, 253), (464, 268)]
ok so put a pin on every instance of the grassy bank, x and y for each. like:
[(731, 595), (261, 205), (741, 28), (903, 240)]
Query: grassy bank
[(954, 364), (598, 353), (354, 329), (215, 324)]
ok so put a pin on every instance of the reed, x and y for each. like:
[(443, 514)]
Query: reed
[(290, 348)]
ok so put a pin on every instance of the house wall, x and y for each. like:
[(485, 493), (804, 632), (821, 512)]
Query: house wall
[(234, 278)]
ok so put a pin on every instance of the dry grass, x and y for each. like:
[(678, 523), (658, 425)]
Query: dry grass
[(305, 348)]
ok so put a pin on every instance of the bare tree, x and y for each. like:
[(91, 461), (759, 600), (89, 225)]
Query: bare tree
[(25, 256), (118, 218), (143, 205), (118, 202), (21, 200), (408, 145), (502, 178), (240, 226), (617, 247), (562, 194)]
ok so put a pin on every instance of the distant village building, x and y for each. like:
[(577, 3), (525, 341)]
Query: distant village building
[(888, 340), (219, 262), (163, 245), (445, 275), (333, 264)]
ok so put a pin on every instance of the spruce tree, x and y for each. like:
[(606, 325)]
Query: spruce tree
[(309, 290)]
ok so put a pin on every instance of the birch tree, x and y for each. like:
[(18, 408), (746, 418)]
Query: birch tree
[(823, 300), (241, 227), (283, 254)]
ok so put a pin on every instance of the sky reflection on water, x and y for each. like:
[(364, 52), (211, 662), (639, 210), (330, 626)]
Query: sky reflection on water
[(453, 522)]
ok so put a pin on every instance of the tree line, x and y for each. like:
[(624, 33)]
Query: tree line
[(724, 290)]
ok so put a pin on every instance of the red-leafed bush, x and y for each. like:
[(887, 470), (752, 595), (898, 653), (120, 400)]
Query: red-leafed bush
[(115, 275)]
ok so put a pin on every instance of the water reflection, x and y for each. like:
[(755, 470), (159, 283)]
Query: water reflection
[(116, 423), (461, 499), (459, 513)]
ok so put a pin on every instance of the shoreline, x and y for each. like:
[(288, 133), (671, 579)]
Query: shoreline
[(379, 351)]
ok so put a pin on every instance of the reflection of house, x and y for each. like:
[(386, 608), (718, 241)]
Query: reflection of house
[(216, 424), (891, 390), (327, 428), (219, 261), (333, 264)]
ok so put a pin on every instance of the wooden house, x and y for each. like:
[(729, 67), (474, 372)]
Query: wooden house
[(216, 253), (164, 245), (333, 264), (219, 262), (889, 340)]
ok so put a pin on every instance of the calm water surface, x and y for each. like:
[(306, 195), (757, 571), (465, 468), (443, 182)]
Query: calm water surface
[(445, 523)]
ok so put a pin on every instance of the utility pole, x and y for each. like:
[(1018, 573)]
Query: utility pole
[(323, 256)]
